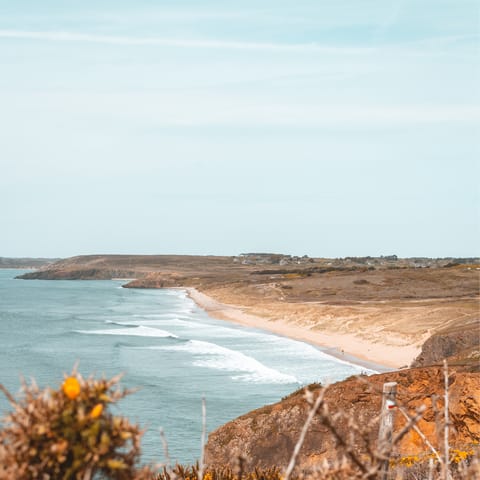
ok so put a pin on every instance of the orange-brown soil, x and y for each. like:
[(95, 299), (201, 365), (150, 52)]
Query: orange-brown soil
[(266, 437)]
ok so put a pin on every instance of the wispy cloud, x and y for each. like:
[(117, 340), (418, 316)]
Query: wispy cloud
[(422, 46), (58, 36)]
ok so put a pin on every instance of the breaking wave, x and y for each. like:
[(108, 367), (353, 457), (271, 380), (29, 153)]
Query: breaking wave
[(135, 331), (244, 367)]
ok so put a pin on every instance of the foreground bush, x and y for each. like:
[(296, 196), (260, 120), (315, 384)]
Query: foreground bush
[(418, 470), (69, 433), (192, 473)]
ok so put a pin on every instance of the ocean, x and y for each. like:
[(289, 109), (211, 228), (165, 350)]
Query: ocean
[(164, 344)]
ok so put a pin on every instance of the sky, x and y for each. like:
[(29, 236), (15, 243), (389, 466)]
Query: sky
[(325, 128)]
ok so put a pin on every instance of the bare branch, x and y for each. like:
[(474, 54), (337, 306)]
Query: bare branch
[(413, 421), (446, 447), (325, 419), (9, 396), (166, 453), (203, 439), (313, 410), (421, 434)]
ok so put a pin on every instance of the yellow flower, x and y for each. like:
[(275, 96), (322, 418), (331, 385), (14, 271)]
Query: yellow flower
[(114, 464), (71, 388), (96, 411)]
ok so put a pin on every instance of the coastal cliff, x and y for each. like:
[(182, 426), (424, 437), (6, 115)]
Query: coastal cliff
[(459, 344), (266, 437)]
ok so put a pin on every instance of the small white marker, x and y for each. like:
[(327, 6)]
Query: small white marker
[(390, 404)]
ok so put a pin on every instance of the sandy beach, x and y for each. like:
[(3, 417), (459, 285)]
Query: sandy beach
[(346, 347)]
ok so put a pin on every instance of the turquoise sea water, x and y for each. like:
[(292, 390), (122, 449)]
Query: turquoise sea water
[(166, 345)]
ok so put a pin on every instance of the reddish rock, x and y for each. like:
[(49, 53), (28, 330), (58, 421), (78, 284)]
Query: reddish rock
[(266, 437)]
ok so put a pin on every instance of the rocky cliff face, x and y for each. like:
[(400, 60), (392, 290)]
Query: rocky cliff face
[(459, 343), (73, 274), (266, 437)]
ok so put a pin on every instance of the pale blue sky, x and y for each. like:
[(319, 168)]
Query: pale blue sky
[(327, 128)]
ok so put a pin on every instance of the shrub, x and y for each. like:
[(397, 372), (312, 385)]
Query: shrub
[(69, 433)]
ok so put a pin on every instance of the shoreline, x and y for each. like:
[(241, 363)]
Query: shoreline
[(343, 347)]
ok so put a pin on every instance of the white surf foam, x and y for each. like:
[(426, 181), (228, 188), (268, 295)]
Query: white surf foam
[(309, 352), (139, 331), (123, 324), (159, 322), (184, 323), (162, 315), (211, 355), (217, 331), (175, 293)]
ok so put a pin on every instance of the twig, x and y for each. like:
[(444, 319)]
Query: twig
[(445, 427), (430, 469), (413, 421), (8, 395), (88, 474), (165, 450), (313, 410), (240, 467), (202, 442), (325, 419), (422, 436)]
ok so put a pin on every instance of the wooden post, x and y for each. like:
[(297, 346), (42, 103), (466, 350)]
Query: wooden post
[(385, 431), (446, 463)]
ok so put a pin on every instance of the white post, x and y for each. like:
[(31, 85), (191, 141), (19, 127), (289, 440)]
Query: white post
[(385, 431)]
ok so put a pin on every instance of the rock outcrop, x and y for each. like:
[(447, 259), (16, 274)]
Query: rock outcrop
[(459, 344), (72, 274), (266, 437)]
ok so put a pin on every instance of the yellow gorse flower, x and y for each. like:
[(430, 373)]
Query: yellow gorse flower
[(96, 411), (71, 388)]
